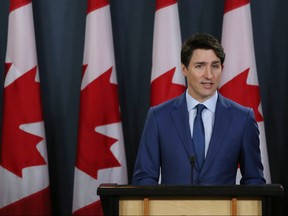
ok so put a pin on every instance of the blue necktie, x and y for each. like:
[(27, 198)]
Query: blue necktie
[(199, 136)]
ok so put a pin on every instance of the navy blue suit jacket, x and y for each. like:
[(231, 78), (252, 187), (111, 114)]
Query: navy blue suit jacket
[(166, 142)]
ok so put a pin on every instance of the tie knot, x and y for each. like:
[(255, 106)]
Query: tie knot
[(200, 108)]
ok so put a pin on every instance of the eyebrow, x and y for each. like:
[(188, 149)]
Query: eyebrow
[(216, 62), (203, 63)]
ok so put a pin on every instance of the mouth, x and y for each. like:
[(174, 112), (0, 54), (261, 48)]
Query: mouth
[(206, 84)]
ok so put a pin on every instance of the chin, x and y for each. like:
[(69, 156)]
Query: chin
[(206, 95)]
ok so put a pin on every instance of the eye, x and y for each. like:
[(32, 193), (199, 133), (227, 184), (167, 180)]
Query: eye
[(216, 66), (198, 66)]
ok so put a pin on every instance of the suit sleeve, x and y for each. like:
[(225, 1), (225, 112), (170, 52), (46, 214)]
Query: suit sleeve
[(250, 158), (147, 165)]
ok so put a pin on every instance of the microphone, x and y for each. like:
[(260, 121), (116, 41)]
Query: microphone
[(192, 163)]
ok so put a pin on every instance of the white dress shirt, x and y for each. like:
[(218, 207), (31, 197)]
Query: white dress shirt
[(208, 115)]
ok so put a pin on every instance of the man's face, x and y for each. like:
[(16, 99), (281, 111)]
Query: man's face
[(203, 74)]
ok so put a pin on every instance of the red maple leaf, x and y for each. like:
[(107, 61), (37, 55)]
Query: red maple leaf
[(162, 88), (7, 68), (238, 90), (21, 106), (99, 106)]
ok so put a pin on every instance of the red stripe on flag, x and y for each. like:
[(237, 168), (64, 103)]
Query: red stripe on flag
[(233, 4), (14, 4), (164, 3), (96, 4), (35, 204)]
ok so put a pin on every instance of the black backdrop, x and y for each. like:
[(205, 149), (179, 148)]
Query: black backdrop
[(60, 27)]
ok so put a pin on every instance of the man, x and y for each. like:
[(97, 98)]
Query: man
[(169, 144)]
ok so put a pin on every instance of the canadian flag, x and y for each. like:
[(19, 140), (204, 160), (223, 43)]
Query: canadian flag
[(100, 153), (239, 79), (24, 179), (167, 80)]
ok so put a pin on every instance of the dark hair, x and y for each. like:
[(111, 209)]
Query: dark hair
[(201, 41)]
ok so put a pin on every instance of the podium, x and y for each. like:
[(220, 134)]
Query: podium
[(191, 200)]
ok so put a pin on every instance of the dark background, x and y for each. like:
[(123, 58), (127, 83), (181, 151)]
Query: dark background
[(60, 27)]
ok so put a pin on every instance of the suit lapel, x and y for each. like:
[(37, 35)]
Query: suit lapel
[(221, 125), (180, 116)]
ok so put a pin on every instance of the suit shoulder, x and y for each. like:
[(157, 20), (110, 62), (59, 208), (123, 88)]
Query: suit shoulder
[(169, 105), (164, 105), (236, 106)]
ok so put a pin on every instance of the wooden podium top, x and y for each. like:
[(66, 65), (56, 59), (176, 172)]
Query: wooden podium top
[(190, 190), (151, 200)]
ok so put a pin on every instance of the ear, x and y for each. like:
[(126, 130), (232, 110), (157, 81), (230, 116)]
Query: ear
[(184, 70)]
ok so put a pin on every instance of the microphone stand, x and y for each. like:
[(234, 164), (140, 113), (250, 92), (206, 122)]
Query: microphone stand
[(192, 162)]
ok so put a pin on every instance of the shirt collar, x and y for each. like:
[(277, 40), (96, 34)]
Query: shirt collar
[(210, 103)]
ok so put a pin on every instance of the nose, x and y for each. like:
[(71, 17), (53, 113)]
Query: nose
[(208, 73)]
